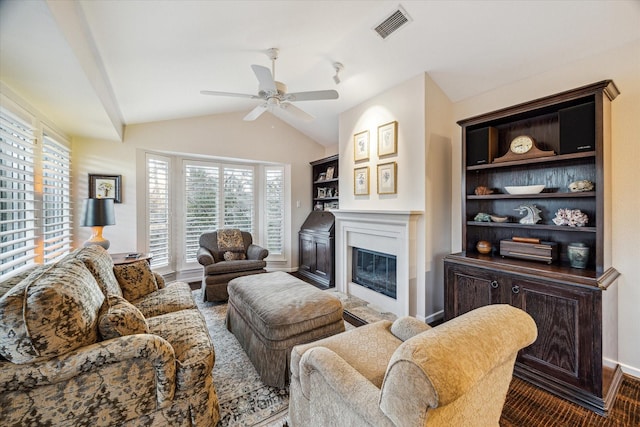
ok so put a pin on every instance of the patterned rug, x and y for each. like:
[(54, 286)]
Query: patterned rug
[(244, 399)]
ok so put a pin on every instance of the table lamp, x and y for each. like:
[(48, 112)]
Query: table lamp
[(97, 214)]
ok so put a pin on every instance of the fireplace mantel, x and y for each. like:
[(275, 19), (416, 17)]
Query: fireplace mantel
[(387, 231)]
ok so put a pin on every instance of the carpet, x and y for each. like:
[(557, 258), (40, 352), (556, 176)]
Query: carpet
[(244, 399)]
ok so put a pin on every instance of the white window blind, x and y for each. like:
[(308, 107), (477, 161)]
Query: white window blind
[(17, 191), (202, 195), (274, 206), (56, 199), (158, 210), (238, 198)]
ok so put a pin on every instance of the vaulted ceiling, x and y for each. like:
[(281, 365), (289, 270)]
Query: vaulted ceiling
[(95, 66)]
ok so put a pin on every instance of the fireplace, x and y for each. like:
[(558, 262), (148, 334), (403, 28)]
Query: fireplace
[(374, 270), (388, 239)]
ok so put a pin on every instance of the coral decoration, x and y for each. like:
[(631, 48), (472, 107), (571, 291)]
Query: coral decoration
[(571, 217)]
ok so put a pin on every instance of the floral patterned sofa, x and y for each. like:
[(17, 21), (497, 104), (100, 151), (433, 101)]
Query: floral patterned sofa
[(84, 343)]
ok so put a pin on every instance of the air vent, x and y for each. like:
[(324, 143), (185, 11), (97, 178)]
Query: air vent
[(393, 22)]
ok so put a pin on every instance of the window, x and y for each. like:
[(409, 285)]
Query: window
[(274, 209), (35, 194), (238, 198), (56, 199), (158, 210), (17, 191), (211, 195), (202, 191), (216, 196)]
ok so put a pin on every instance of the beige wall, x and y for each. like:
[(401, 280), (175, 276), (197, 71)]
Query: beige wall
[(623, 67), (423, 160), (267, 139)]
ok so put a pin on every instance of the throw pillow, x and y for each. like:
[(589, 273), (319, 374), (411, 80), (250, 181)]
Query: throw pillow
[(234, 256), (49, 313), (135, 279), (122, 318)]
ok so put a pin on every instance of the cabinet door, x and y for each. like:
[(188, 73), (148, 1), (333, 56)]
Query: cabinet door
[(307, 253), (324, 258), (470, 288), (565, 318)]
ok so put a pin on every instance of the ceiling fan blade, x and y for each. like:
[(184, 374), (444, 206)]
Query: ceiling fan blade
[(296, 112), (312, 95), (237, 95), (255, 113), (263, 74)]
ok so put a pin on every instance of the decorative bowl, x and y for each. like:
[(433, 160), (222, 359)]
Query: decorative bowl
[(524, 189)]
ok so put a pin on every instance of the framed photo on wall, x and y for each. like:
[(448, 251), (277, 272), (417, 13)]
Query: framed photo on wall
[(387, 176), (361, 181), (105, 187), (388, 139), (361, 146)]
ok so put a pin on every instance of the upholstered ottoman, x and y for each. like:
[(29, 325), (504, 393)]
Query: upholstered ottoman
[(270, 313)]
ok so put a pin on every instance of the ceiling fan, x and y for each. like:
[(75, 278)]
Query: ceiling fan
[(274, 93)]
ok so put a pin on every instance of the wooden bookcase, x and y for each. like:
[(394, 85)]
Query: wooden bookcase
[(575, 309), (324, 190)]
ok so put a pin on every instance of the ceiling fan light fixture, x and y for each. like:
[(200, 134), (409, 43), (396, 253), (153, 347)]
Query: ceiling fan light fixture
[(274, 93)]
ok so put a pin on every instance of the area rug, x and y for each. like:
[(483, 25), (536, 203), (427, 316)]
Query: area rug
[(244, 399)]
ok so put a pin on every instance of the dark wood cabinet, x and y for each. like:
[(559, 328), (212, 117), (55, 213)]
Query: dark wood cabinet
[(317, 249), (575, 309)]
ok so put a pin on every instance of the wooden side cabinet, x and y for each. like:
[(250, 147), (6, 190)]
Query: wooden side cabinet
[(574, 306), (317, 248), (567, 357)]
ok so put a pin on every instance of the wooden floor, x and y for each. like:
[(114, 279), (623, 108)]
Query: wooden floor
[(530, 406)]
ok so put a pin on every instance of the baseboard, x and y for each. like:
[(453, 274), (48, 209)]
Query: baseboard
[(434, 318), (630, 370)]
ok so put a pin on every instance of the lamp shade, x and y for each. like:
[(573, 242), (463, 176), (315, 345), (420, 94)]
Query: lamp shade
[(98, 212)]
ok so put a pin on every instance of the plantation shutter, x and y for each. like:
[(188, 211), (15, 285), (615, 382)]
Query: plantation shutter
[(274, 204), (202, 193), (17, 194), (56, 199), (158, 210), (238, 198)]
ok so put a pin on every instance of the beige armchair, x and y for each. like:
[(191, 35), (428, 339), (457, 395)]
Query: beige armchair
[(408, 374), (225, 255)]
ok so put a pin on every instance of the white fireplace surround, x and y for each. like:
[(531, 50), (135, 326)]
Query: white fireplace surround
[(389, 232)]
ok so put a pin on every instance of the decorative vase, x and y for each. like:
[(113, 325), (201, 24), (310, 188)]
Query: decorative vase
[(578, 255), (483, 247)]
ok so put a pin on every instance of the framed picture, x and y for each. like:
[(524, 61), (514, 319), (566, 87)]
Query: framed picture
[(361, 181), (105, 187), (331, 205), (329, 173), (387, 175), (322, 192), (388, 139), (361, 146)]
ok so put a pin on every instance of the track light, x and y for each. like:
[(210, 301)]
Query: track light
[(338, 67)]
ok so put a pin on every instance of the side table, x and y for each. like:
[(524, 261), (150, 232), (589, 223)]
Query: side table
[(129, 257)]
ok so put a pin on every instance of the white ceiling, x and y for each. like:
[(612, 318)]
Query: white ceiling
[(93, 66)]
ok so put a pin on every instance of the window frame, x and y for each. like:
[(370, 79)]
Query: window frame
[(34, 251), (179, 264)]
